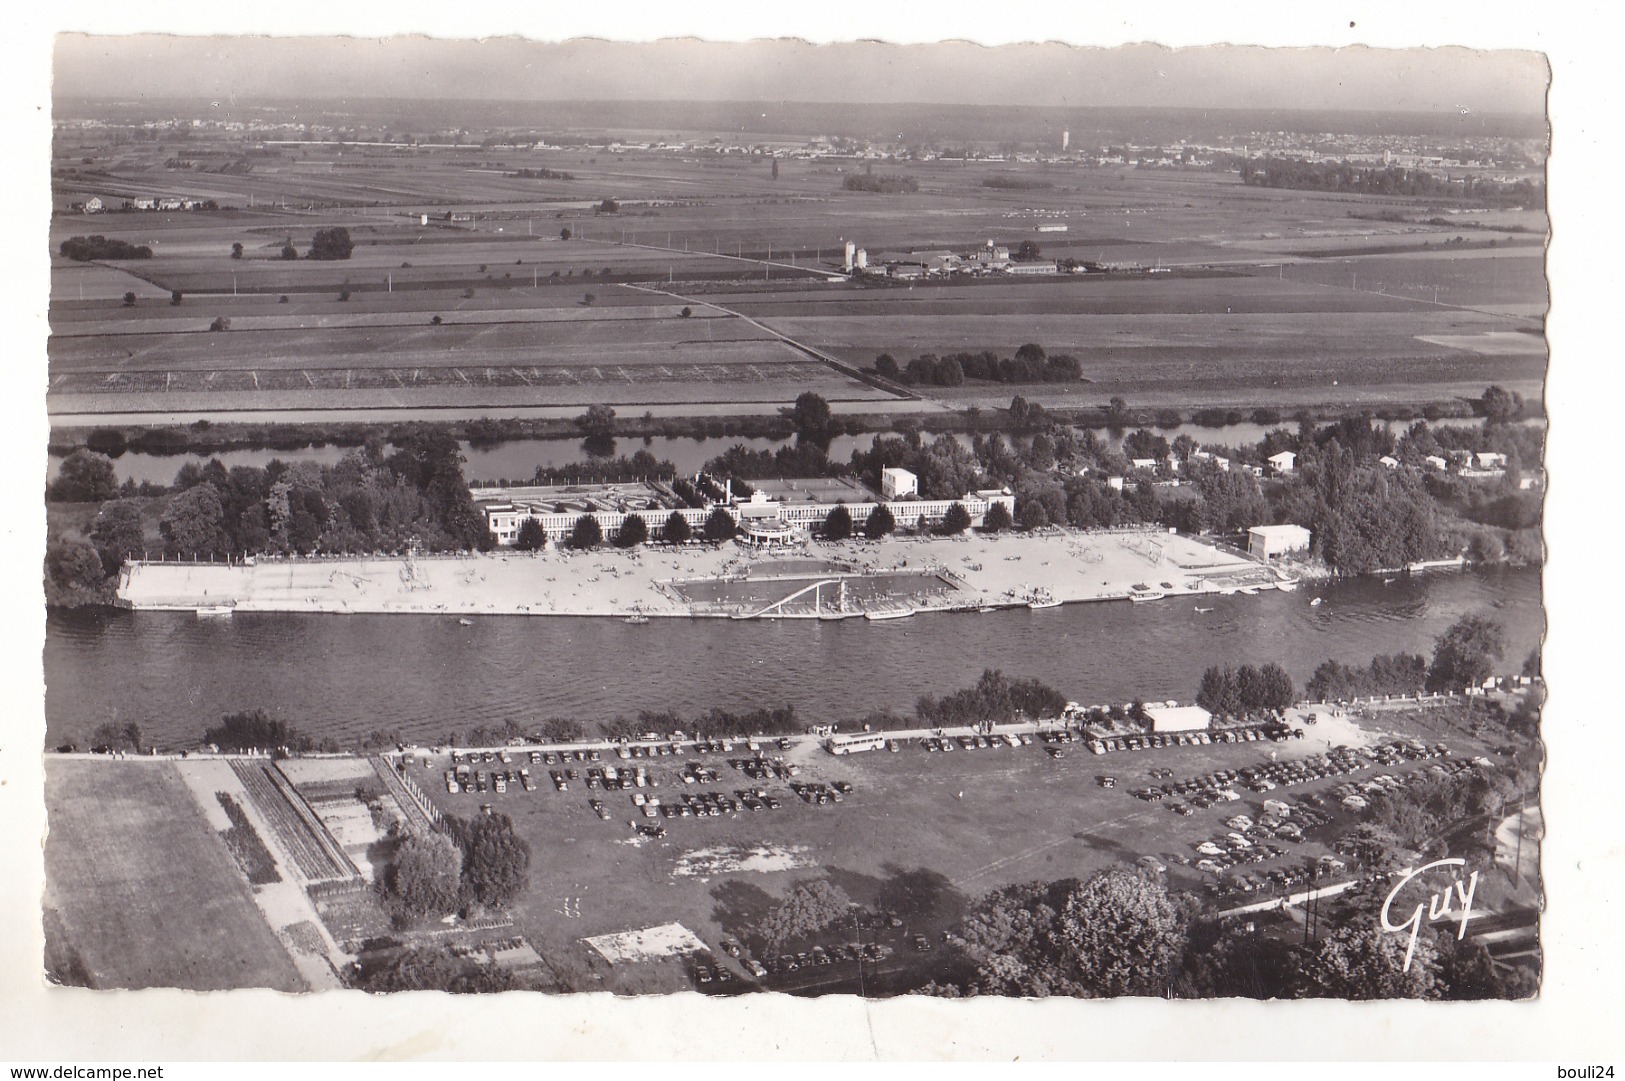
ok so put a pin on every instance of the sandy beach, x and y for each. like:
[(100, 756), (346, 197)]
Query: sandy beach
[(918, 574)]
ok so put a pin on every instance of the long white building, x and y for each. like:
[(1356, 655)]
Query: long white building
[(759, 518)]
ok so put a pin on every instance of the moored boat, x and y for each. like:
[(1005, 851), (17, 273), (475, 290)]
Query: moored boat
[(213, 611), (902, 613)]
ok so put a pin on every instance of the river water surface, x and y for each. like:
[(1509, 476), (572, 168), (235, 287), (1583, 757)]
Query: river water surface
[(426, 676)]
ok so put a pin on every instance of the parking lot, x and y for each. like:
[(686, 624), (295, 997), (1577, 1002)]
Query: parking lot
[(607, 848)]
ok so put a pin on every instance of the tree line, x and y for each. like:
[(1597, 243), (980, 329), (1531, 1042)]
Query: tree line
[(995, 697), (84, 249), (1031, 364), (881, 183), (1388, 180)]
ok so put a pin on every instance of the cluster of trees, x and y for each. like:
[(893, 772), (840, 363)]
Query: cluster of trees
[(83, 249), (1227, 692), (995, 697), (431, 968), (946, 469), (465, 866), (84, 477), (1387, 180), (721, 723), (542, 174), (1363, 516), (882, 183), (1015, 183), (331, 244), (809, 908), (1463, 656), (1031, 364), (1122, 933), (367, 502), (1399, 673), (256, 730)]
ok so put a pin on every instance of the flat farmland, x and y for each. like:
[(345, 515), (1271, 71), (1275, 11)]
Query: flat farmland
[(706, 388), (1506, 281), (145, 892), (565, 336)]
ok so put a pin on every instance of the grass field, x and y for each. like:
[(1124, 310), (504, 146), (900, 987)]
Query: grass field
[(962, 823), (144, 891)]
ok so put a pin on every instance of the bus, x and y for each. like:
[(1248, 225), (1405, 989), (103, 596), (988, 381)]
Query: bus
[(866, 741)]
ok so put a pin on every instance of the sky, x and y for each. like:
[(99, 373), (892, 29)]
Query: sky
[(245, 67)]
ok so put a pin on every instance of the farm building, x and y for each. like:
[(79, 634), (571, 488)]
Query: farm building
[(1436, 462), (1267, 541), (1177, 718)]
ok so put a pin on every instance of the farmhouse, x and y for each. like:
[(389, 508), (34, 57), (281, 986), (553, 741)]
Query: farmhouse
[(1435, 462), (1267, 541), (1388, 461)]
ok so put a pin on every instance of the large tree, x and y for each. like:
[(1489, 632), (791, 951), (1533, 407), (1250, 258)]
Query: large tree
[(193, 525), (73, 574), (809, 908), (811, 417), (1362, 961), (597, 422), (118, 533), (1123, 933), (1465, 655), (678, 530), (84, 477), (496, 860), (531, 536), (997, 518), (956, 521), (719, 526), (254, 731), (331, 243), (633, 532), (587, 532), (424, 878), (880, 522), (838, 523)]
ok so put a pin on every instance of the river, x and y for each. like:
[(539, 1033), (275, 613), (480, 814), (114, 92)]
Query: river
[(425, 676)]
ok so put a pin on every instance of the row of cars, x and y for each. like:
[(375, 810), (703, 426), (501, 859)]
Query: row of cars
[(819, 794), (464, 779), (843, 953), (1272, 730), (981, 742), (765, 769)]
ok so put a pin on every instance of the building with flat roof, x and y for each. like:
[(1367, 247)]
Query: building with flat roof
[(898, 483), (778, 513), (1265, 542), (1178, 718), (1284, 462)]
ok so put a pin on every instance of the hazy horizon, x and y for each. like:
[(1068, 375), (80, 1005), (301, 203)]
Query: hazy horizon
[(1445, 80)]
